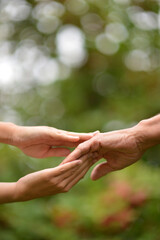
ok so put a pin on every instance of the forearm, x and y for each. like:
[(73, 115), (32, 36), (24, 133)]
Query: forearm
[(7, 132), (148, 132), (7, 192)]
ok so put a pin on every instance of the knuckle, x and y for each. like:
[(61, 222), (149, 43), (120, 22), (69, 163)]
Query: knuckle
[(80, 146), (80, 149), (53, 182), (98, 140), (46, 177), (96, 143), (61, 187), (65, 190), (61, 170)]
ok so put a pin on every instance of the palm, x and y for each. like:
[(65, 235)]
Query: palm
[(40, 142), (37, 151)]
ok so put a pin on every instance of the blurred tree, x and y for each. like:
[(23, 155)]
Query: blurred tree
[(79, 65)]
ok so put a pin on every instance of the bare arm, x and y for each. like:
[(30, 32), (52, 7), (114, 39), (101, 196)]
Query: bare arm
[(45, 183), (7, 191), (120, 148), (149, 131), (41, 142)]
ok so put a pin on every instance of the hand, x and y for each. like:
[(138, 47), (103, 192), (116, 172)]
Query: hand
[(120, 149), (41, 142), (51, 181)]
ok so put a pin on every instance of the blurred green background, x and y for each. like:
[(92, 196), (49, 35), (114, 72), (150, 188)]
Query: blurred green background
[(81, 65)]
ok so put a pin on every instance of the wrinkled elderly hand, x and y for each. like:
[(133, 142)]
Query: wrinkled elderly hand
[(120, 149), (41, 142)]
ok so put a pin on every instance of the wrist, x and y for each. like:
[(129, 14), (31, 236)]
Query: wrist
[(7, 132), (7, 192), (20, 191), (147, 133)]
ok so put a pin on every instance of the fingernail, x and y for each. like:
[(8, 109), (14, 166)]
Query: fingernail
[(93, 133), (75, 138), (97, 131)]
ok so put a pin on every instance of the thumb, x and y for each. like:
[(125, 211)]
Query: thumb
[(101, 170)]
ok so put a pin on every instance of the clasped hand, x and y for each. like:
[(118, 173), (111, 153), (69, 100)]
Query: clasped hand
[(41, 142), (119, 148)]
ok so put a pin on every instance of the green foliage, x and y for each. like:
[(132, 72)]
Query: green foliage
[(113, 87)]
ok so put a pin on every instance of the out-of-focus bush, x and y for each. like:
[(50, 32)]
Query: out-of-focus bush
[(81, 65)]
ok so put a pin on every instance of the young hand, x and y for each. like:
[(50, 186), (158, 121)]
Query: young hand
[(41, 142), (46, 182)]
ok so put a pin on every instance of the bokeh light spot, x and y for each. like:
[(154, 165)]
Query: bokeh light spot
[(138, 60), (116, 32), (105, 45), (77, 7), (70, 46), (48, 25), (17, 10), (145, 20)]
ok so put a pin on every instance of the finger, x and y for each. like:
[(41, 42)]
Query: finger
[(57, 152), (69, 173), (81, 150), (79, 174), (70, 139), (64, 137), (86, 163), (101, 170), (82, 136), (68, 144), (62, 169), (68, 176), (63, 177)]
